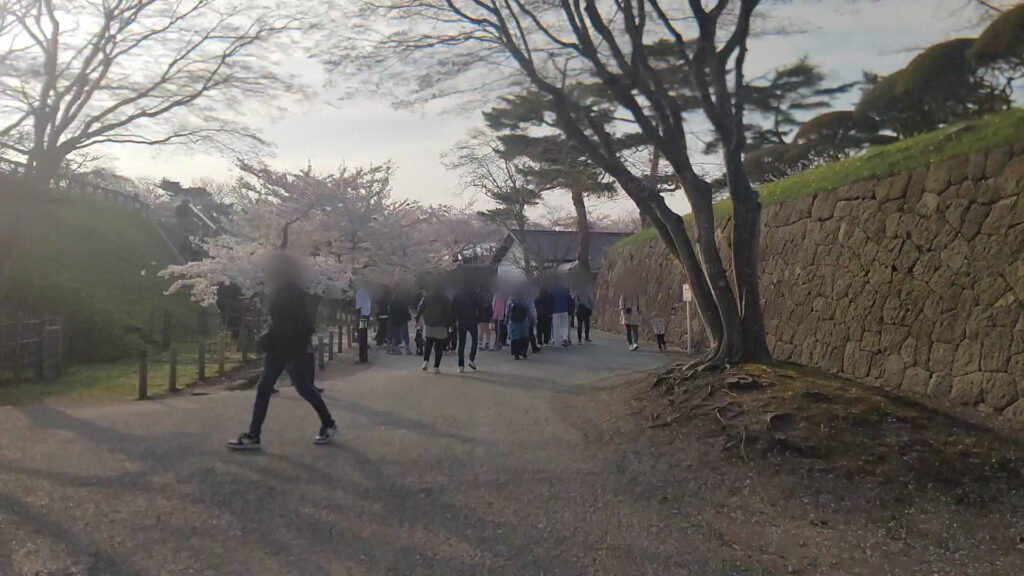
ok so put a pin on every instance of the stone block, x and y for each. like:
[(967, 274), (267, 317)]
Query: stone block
[(824, 205), (940, 385), (998, 220), (938, 177), (968, 389), (1014, 274), (976, 165), (973, 220), (1015, 414), (999, 389), (997, 160), (893, 373), (915, 381), (1013, 174), (968, 358), (941, 357), (928, 205), (956, 211), (995, 350)]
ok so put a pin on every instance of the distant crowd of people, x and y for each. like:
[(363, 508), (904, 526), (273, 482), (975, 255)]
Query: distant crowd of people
[(526, 317)]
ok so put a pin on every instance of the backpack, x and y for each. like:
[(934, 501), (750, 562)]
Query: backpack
[(517, 313)]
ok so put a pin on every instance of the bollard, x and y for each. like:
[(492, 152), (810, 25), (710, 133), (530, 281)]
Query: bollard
[(202, 361), (320, 353), (243, 341), (364, 345), (221, 350), (330, 345), (341, 334), (172, 372), (143, 375)]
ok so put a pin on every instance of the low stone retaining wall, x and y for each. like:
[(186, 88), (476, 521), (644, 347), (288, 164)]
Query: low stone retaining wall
[(913, 282)]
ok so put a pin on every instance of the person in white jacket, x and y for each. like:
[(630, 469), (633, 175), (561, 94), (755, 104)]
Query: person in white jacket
[(629, 311)]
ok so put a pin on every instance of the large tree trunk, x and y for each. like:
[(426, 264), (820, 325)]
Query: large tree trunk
[(746, 245), (583, 230)]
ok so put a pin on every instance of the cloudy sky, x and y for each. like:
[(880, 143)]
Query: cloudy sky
[(843, 36)]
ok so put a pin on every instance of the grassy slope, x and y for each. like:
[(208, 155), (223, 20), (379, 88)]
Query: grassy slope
[(94, 263), (989, 132)]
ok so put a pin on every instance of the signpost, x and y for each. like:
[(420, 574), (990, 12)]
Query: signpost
[(687, 297)]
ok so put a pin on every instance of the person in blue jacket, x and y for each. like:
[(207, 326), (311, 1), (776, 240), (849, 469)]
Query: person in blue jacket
[(560, 303)]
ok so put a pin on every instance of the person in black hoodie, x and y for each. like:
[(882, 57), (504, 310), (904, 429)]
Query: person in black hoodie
[(466, 309), (435, 312), (287, 346), (399, 317)]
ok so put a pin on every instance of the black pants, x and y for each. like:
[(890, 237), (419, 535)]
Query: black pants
[(632, 334), (519, 347), (382, 331), (533, 340), (583, 324), (544, 330), (472, 331), (300, 369), (661, 342), (437, 344), (502, 333)]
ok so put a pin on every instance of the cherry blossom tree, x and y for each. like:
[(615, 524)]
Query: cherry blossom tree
[(343, 225)]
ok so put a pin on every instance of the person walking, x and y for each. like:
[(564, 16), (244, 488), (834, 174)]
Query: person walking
[(529, 299), (629, 312), (560, 314), (498, 319), (542, 303), (287, 345), (584, 309), (517, 317), (364, 306), (484, 314), (466, 309), (399, 317), (383, 326), (435, 312), (659, 326)]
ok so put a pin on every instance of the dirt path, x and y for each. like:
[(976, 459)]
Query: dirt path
[(532, 467), (450, 474)]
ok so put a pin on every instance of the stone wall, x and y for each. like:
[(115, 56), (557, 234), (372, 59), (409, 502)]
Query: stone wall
[(913, 282)]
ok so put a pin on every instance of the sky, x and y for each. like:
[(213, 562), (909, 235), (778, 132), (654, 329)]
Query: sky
[(844, 37)]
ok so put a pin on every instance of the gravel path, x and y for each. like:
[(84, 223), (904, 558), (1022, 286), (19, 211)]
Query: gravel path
[(493, 472)]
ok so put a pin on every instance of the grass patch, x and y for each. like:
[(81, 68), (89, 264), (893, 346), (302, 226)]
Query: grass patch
[(992, 131), (116, 380), (91, 262)]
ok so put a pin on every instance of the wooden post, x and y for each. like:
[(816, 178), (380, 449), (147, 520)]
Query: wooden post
[(172, 372), (330, 345), (202, 361), (222, 346), (341, 333), (688, 339), (320, 352), (143, 375), (166, 330), (243, 339)]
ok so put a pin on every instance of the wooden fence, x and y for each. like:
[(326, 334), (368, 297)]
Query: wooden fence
[(84, 187), (31, 348)]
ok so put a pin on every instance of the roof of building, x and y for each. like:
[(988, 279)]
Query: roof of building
[(552, 246)]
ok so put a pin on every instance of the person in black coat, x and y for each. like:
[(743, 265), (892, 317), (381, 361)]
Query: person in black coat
[(466, 310), (287, 345), (399, 317)]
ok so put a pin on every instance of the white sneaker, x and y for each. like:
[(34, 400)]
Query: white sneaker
[(437, 370), (472, 365), (424, 365), (462, 369)]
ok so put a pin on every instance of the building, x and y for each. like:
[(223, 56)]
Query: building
[(529, 252)]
